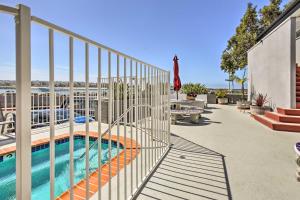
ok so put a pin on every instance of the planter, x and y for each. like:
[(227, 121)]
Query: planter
[(257, 110), (243, 104), (208, 98), (222, 101), (192, 98)]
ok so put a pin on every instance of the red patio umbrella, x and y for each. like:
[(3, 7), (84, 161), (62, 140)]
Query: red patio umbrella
[(177, 82)]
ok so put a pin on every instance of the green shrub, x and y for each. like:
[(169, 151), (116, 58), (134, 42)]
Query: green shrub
[(193, 89), (221, 93)]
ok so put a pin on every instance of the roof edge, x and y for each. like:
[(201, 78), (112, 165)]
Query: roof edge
[(288, 12)]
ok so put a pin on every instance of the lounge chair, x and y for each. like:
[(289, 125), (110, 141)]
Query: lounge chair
[(7, 121)]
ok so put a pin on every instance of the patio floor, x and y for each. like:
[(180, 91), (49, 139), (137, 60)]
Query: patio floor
[(227, 156)]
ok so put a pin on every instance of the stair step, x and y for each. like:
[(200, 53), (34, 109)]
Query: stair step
[(298, 88), (298, 94), (278, 126), (297, 83), (285, 111), (282, 118), (297, 79), (298, 105), (298, 99)]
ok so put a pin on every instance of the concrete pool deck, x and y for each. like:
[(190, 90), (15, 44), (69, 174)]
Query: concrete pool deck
[(259, 163)]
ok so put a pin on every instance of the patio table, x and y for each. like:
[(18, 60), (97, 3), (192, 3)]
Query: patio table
[(194, 114)]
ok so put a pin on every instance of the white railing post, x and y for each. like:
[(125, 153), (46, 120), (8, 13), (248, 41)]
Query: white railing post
[(23, 104), (169, 113), (52, 113)]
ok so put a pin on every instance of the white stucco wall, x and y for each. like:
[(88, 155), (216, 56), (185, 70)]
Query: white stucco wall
[(271, 63), (298, 51)]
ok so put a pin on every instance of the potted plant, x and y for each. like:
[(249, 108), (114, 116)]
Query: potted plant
[(260, 100), (193, 89), (221, 96)]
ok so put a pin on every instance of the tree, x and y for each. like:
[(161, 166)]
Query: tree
[(228, 64), (268, 14), (242, 80), (246, 34), (286, 6)]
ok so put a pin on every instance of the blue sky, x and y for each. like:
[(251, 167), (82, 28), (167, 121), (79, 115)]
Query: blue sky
[(151, 30)]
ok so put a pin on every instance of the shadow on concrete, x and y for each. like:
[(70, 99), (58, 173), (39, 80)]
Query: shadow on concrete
[(203, 121), (7, 139), (210, 107), (188, 171)]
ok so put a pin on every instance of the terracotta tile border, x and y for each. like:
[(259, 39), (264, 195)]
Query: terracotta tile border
[(79, 188)]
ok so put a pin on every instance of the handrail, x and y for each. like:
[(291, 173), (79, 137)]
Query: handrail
[(8, 10), (108, 129), (112, 125)]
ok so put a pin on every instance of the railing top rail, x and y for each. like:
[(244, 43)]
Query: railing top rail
[(85, 39), (8, 10)]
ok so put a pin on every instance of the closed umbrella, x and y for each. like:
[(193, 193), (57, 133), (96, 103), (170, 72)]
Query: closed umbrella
[(177, 82)]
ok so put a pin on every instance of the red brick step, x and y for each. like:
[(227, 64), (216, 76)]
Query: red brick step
[(286, 111), (278, 126), (282, 118)]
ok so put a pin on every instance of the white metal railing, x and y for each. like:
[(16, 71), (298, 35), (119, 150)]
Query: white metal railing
[(138, 110)]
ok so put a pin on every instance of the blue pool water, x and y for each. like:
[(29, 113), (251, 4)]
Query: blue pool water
[(41, 167)]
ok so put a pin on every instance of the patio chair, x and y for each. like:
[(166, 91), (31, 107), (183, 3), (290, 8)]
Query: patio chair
[(7, 121)]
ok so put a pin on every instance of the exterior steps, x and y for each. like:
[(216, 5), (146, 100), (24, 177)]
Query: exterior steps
[(278, 126), (282, 120), (285, 111)]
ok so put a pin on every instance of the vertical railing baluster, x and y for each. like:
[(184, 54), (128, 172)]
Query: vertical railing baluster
[(145, 118), (71, 120), (148, 116), (118, 126), (99, 125), (169, 120), (141, 117), (136, 123), (154, 114), (125, 127), (110, 103), (160, 113), (152, 118), (52, 115), (157, 115), (131, 129), (87, 122)]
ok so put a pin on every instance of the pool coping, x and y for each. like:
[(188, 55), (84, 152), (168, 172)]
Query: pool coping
[(79, 188)]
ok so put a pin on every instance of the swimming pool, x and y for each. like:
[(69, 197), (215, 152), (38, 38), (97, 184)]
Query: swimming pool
[(41, 167)]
